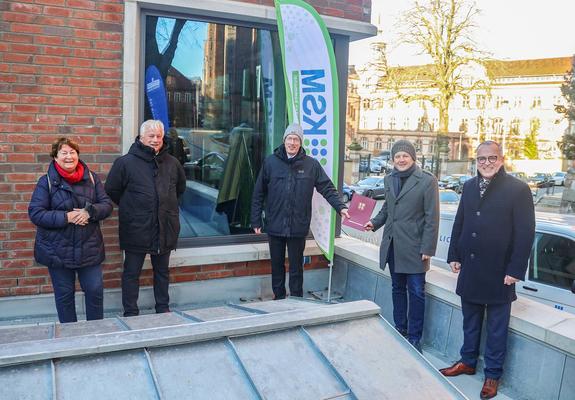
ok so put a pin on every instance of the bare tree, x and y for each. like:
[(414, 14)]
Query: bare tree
[(567, 145), (442, 29)]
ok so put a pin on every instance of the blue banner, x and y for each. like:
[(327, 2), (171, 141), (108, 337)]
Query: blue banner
[(156, 94)]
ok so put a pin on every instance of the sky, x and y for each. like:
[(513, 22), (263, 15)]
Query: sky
[(508, 29)]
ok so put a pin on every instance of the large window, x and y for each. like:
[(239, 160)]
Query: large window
[(226, 101)]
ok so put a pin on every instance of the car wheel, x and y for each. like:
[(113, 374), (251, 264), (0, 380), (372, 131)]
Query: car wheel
[(369, 194), (345, 198)]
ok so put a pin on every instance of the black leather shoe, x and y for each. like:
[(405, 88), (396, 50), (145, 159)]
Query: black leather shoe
[(457, 369)]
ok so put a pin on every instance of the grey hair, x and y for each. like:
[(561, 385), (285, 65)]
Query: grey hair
[(491, 143), (151, 125)]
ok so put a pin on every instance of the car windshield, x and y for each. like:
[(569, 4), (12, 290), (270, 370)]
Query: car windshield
[(368, 181)]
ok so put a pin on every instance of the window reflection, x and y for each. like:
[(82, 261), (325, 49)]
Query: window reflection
[(226, 111)]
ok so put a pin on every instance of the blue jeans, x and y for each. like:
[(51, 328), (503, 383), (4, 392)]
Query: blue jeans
[(407, 315), (496, 343), (64, 284)]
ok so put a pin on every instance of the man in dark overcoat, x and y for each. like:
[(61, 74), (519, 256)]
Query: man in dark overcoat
[(410, 216), (490, 246), (146, 184)]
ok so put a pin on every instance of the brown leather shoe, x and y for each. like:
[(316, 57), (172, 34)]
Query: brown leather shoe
[(489, 389), (457, 369)]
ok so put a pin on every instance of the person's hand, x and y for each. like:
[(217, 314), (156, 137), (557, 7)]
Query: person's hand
[(344, 213), (425, 257), (81, 216), (455, 266), (73, 216), (509, 280), (368, 226), (258, 230)]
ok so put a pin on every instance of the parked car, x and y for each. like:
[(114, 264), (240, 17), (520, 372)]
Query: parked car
[(454, 182), (550, 278), (523, 177), (559, 178), (371, 186), (207, 169), (448, 196), (375, 166), (347, 193), (542, 180)]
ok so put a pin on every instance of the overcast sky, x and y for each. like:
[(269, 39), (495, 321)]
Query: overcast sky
[(509, 29)]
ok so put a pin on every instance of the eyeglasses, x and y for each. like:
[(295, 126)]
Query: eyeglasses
[(483, 159)]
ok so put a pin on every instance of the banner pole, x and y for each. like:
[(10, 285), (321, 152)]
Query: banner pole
[(329, 282)]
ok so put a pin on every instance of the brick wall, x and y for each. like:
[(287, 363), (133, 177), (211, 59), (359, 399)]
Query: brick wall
[(61, 75)]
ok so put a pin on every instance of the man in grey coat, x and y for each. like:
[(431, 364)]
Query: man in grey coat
[(411, 218)]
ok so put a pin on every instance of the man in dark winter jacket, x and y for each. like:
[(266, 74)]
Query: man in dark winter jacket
[(146, 184), (286, 183), (490, 246)]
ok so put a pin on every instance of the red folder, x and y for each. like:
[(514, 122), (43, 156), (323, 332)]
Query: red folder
[(360, 210)]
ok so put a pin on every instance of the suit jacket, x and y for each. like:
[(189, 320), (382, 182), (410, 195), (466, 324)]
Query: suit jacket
[(492, 237), (411, 220)]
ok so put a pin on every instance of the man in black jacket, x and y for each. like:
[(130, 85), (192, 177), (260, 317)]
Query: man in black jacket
[(286, 183), (146, 184), (490, 246)]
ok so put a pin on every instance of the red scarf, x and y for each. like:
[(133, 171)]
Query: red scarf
[(71, 177)]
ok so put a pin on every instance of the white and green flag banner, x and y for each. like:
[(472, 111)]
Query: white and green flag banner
[(312, 99)]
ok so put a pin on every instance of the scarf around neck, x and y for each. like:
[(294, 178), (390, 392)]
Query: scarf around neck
[(398, 177), (71, 177)]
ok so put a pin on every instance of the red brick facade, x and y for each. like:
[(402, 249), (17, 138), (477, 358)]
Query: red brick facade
[(61, 75)]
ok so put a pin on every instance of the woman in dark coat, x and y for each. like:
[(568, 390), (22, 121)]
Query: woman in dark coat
[(67, 206)]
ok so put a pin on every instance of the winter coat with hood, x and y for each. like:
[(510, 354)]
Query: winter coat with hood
[(286, 186), (146, 187), (60, 244)]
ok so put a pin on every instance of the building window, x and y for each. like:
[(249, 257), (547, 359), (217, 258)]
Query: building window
[(480, 101), (464, 125), (517, 102), (366, 104), (364, 142), (378, 144), (406, 123), (498, 126), (536, 103), (390, 143), (465, 102), (224, 95), (364, 122), (379, 122), (392, 123)]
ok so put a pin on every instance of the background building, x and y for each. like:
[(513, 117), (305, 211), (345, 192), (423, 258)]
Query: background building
[(520, 103)]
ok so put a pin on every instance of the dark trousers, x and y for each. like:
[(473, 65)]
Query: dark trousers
[(133, 263), (408, 311), (64, 284), (295, 247), (496, 344)]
